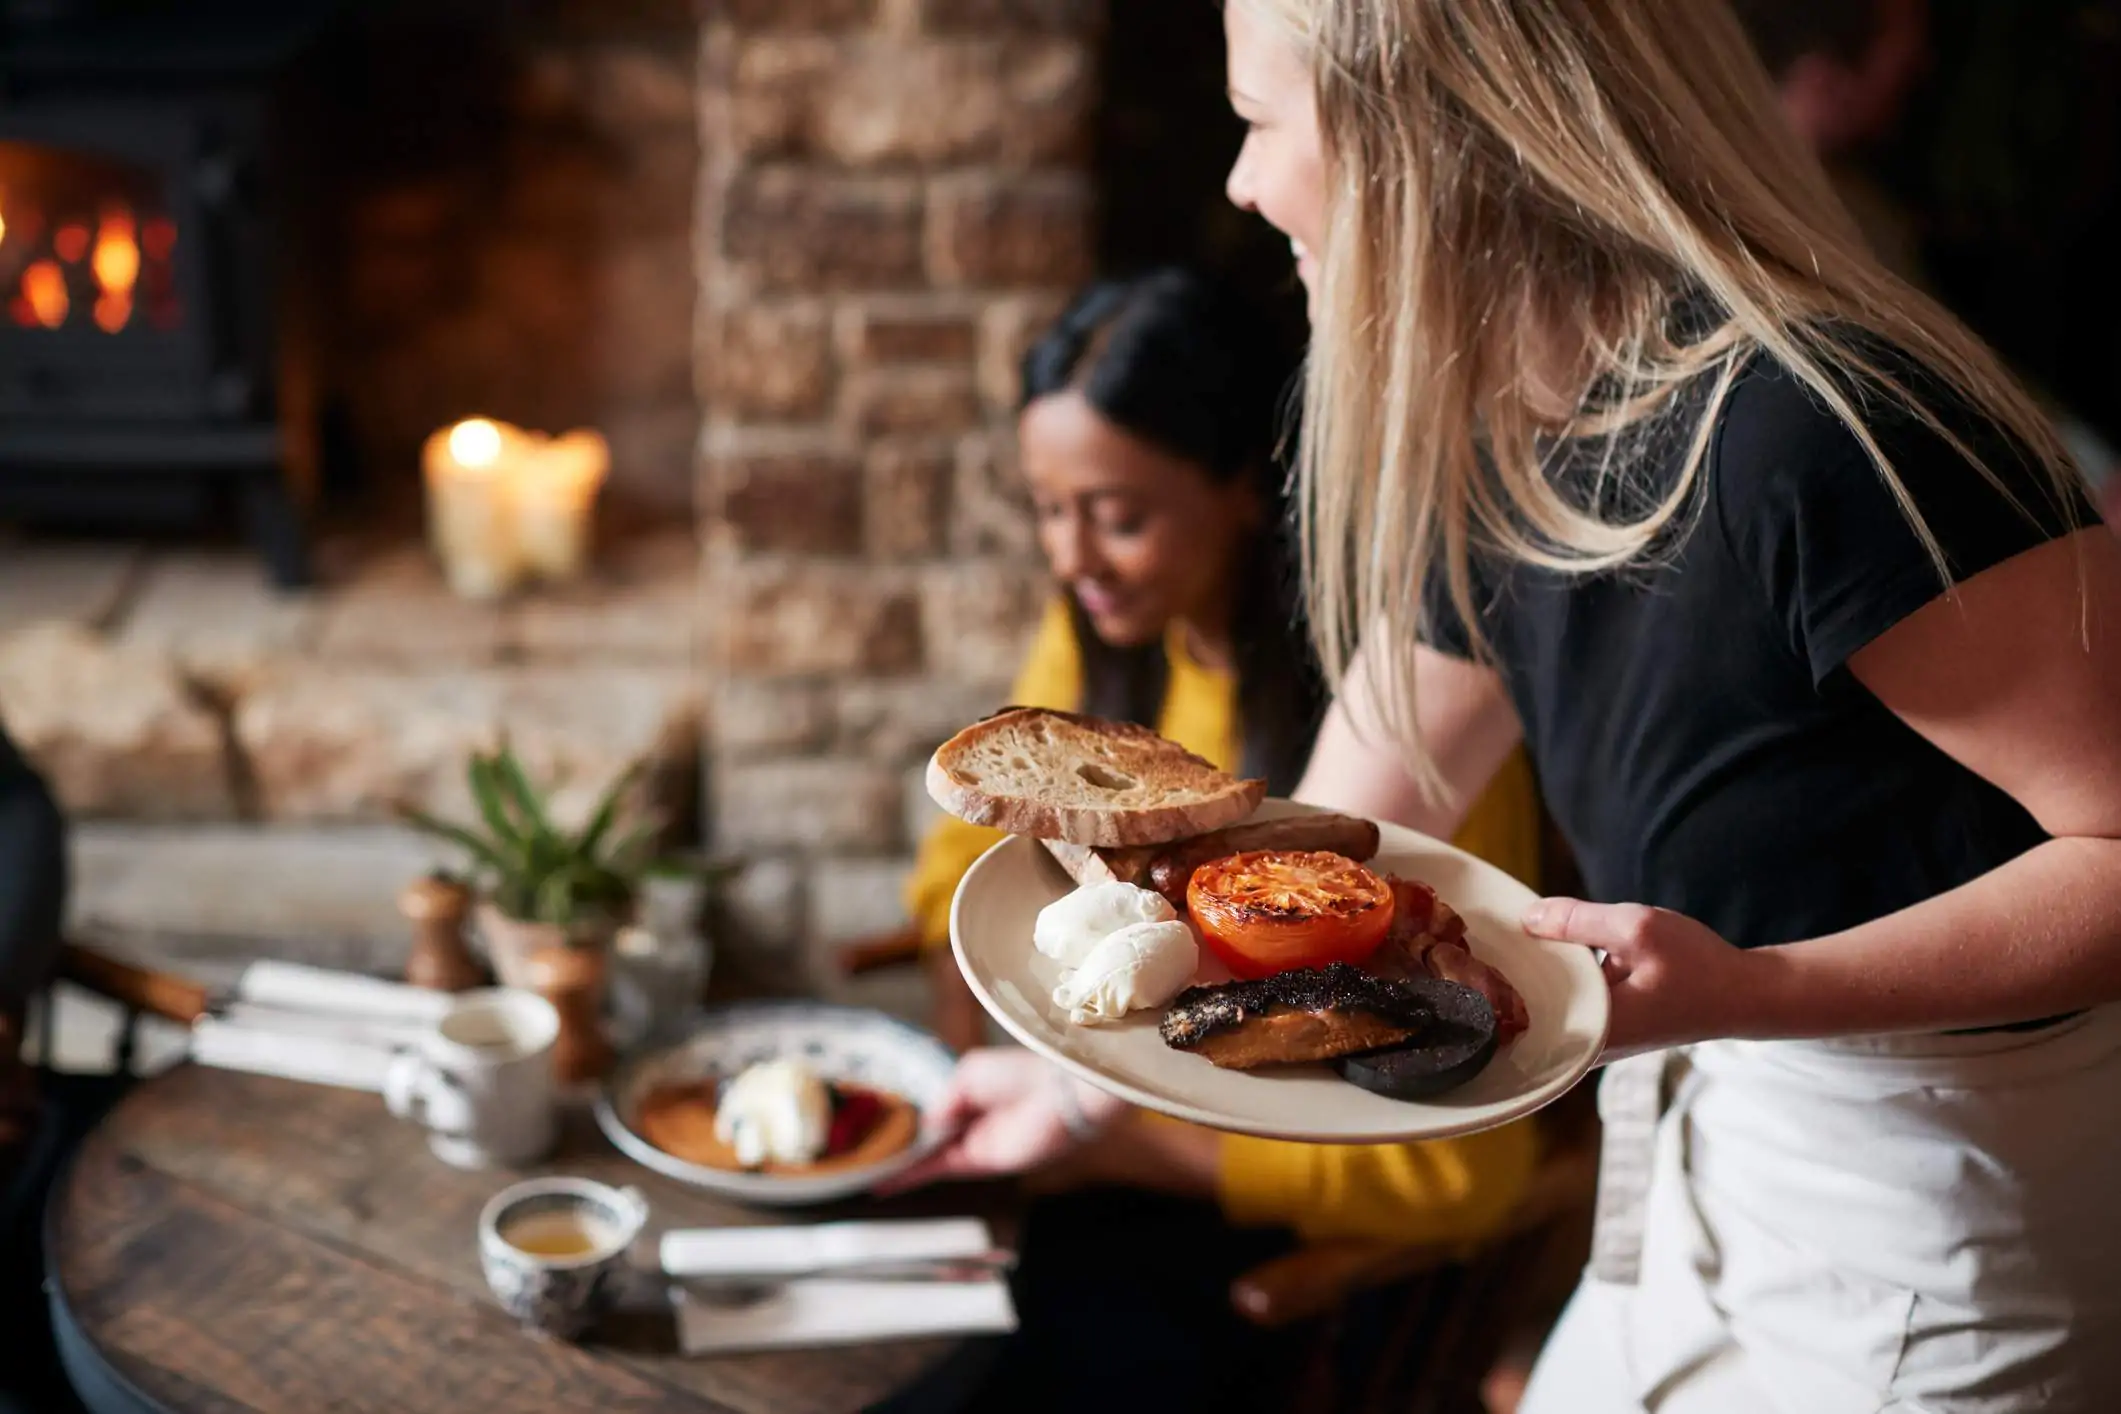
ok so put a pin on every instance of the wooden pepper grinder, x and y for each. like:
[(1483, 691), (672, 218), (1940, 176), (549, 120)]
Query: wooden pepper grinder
[(573, 979), (441, 960)]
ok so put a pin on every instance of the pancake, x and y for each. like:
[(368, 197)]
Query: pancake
[(679, 1120)]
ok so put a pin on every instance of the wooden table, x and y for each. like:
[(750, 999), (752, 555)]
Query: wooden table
[(230, 1242)]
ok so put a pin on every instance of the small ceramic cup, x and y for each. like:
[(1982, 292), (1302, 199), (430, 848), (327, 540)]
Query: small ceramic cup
[(481, 1079), (554, 1250)]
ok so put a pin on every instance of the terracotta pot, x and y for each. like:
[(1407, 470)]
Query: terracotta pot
[(573, 980), (511, 942)]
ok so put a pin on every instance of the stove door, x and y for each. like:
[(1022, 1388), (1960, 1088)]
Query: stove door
[(122, 274)]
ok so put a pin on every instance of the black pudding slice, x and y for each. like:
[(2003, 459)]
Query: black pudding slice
[(1454, 1047)]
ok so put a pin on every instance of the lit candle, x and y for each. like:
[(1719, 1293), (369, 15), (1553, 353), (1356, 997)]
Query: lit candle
[(470, 515), (555, 490)]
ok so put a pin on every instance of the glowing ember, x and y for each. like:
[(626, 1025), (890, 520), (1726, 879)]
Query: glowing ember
[(159, 237), (71, 241), (44, 290), (113, 311)]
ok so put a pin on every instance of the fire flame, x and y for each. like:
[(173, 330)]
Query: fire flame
[(122, 258), (71, 241), (116, 263), (44, 288)]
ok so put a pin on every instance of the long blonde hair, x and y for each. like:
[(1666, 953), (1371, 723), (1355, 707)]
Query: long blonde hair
[(1516, 185)]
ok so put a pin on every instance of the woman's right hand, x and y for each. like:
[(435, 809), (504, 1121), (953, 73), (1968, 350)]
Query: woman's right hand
[(1006, 1111)]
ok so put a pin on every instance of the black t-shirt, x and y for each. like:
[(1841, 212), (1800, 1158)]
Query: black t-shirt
[(1698, 737)]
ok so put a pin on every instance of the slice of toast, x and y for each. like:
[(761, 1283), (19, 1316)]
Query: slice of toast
[(1085, 780)]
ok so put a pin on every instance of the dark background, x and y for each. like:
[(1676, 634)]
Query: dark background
[(2008, 159)]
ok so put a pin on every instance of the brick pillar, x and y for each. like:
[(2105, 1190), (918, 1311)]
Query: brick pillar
[(896, 193)]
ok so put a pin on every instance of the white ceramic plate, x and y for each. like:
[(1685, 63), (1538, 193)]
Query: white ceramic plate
[(990, 930), (839, 1042)]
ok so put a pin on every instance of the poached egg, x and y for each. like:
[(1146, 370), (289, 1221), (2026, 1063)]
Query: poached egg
[(1142, 965), (1070, 928)]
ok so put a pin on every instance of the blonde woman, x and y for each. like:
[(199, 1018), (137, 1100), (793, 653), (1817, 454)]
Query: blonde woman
[(1617, 442)]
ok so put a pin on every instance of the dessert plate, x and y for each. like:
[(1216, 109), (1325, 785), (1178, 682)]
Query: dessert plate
[(1564, 992), (838, 1042)]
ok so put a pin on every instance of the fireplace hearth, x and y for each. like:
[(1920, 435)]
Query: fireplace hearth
[(143, 370)]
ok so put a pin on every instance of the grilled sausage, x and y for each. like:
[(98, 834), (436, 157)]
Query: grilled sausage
[(1172, 869)]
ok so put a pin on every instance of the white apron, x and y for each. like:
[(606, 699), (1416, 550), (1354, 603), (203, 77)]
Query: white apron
[(1911, 1223)]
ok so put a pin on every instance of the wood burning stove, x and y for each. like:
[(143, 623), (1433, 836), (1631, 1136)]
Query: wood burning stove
[(142, 368)]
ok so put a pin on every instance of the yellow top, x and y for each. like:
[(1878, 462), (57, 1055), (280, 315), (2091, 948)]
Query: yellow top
[(1450, 1190)]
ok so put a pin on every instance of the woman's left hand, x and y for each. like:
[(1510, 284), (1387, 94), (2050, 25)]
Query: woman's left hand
[(1138, 1151), (1007, 1111), (1673, 980)]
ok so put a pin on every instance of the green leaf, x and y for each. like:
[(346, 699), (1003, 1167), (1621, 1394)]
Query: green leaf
[(607, 811), (518, 786), (493, 808), (457, 835)]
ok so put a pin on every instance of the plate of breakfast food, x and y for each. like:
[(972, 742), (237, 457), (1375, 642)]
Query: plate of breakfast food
[(1159, 928), (780, 1103)]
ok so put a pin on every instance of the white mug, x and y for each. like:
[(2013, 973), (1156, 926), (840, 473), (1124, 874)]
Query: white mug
[(481, 1079)]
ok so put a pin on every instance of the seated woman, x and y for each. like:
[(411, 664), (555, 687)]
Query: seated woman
[(1147, 436)]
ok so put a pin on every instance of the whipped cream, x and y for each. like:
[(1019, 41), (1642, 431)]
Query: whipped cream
[(775, 1112), (1140, 966), (1070, 928)]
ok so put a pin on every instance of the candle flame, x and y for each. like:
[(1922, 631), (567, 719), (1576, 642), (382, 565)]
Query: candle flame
[(475, 442)]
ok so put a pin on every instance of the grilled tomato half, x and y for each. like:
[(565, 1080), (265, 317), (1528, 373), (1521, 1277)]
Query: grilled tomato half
[(1276, 910)]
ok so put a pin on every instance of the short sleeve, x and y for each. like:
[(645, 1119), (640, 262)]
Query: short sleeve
[(1806, 512), (1442, 627)]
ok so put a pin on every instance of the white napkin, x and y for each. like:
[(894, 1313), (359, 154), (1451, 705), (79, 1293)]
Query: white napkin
[(825, 1312), (290, 986), (295, 1055), (774, 1251), (386, 1032)]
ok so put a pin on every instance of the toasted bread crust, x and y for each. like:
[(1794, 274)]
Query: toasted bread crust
[(1083, 780)]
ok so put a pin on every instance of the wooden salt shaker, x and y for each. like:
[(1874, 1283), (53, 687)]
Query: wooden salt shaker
[(441, 960)]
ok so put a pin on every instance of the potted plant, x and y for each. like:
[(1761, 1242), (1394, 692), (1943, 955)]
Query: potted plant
[(550, 900)]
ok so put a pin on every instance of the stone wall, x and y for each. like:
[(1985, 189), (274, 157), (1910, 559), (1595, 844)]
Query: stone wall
[(895, 194), (502, 194)]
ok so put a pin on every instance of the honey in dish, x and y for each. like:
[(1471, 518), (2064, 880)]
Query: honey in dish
[(558, 1234)]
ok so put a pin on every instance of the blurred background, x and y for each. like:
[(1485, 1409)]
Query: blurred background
[(776, 259)]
